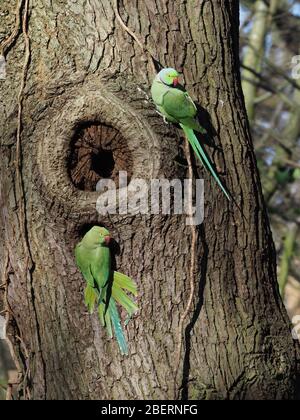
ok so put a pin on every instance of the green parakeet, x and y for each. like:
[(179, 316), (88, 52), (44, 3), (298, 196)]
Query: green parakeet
[(105, 287), (176, 106)]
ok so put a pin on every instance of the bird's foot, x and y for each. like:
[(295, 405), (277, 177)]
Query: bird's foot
[(143, 93), (163, 116)]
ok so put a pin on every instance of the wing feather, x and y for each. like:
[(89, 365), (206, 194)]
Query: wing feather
[(179, 104)]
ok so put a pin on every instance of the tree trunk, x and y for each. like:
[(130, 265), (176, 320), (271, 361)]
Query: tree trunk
[(86, 117)]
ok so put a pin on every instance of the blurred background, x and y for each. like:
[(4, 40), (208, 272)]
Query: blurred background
[(270, 67), (270, 53)]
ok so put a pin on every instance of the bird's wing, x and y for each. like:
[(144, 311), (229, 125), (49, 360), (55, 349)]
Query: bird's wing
[(100, 266), (83, 262), (121, 283), (179, 104)]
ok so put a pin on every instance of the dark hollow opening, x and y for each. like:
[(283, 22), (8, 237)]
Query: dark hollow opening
[(103, 163), (83, 229), (97, 151)]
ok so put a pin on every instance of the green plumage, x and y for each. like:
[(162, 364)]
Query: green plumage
[(177, 106), (104, 287)]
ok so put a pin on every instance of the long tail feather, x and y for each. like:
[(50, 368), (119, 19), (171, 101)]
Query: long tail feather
[(116, 322), (107, 308), (200, 153)]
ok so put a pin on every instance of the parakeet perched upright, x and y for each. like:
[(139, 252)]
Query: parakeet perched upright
[(176, 106), (104, 287)]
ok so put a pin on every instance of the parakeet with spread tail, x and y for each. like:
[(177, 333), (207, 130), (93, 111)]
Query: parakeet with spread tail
[(105, 288), (176, 106)]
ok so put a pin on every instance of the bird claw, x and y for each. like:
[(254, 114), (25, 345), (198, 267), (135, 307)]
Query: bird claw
[(163, 116), (144, 93)]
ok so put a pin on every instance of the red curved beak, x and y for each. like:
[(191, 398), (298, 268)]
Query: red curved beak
[(107, 240), (175, 81)]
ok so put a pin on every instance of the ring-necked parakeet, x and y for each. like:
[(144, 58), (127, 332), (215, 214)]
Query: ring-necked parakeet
[(105, 287), (176, 106)]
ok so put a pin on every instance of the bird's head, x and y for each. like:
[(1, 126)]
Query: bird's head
[(169, 77), (97, 236)]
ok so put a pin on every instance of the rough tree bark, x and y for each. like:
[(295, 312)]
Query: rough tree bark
[(84, 104)]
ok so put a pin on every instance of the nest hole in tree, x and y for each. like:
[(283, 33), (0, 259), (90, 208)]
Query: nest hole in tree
[(98, 151), (83, 229)]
